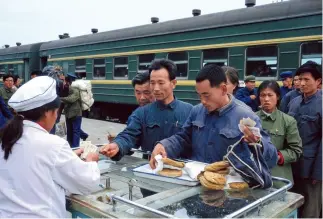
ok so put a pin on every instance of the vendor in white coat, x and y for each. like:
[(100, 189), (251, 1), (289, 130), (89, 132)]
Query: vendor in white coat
[(37, 168)]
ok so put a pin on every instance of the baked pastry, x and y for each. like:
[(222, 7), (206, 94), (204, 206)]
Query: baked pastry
[(210, 185), (173, 163), (239, 185), (214, 167), (170, 172), (215, 178), (224, 171)]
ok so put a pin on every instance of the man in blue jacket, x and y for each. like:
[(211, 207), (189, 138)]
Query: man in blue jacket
[(213, 125), (248, 94), (307, 110), (284, 104)]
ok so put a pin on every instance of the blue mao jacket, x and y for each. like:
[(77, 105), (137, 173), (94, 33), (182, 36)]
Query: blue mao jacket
[(151, 123), (308, 114), (208, 135), (284, 104), (284, 91), (243, 94), (5, 113)]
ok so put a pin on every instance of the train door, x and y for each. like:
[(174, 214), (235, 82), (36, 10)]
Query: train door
[(43, 62), (26, 70)]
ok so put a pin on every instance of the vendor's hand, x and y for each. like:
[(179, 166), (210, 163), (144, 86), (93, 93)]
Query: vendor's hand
[(159, 149), (79, 151), (253, 97), (110, 150), (249, 137), (92, 157)]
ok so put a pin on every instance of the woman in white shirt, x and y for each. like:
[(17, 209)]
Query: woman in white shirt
[(37, 168)]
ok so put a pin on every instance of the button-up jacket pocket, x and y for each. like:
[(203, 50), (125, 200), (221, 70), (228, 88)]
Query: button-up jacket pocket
[(277, 138)]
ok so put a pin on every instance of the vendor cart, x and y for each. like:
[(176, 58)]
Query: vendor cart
[(178, 201)]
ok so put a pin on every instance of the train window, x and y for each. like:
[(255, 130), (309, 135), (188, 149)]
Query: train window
[(20, 70), (181, 61), (215, 56), (144, 62), (261, 61), (80, 68), (99, 69), (11, 69), (121, 67), (311, 51), (2, 70)]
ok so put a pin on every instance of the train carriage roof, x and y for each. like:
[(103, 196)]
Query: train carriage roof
[(20, 49), (275, 11)]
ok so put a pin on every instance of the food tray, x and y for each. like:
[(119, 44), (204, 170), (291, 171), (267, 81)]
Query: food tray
[(145, 171)]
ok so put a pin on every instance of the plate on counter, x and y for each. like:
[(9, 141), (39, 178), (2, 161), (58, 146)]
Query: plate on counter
[(145, 171)]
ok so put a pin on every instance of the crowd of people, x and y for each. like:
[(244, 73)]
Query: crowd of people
[(289, 119)]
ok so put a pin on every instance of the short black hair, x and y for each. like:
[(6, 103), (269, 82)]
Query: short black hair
[(36, 72), (5, 77), (311, 67), (15, 78), (271, 84), (214, 73), (140, 78), (169, 65)]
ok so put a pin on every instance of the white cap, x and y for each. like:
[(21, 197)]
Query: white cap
[(35, 93)]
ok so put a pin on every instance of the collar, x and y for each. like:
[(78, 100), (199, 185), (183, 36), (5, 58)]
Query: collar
[(225, 108), (171, 105), (31, 124), (271, 116), (8, 90), (309, 99)]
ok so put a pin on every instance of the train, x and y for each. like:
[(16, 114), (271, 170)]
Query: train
[(260, 40)]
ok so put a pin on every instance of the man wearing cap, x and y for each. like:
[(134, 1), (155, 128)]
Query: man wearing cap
[(307, 110), (287, 79), (37, 168), (284, 104), (248, 93), (73, 112)]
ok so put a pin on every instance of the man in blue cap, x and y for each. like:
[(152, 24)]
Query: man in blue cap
[(287, 79)]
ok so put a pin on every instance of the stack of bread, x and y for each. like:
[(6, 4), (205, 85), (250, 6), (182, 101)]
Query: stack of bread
[(171, 168), (216, 177)]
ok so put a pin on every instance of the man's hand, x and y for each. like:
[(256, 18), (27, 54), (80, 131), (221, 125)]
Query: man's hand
[(79, 151), (253, 97), (159, 149), (92, 157), (110, 150), (249, 137)]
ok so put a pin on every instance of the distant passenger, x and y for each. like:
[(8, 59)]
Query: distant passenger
[(34, 74), (6, 91), (5, 114), (155, 121), (248, 93), (284, 105), (232, 79), (287, 78), (16, 82), (73, 113)]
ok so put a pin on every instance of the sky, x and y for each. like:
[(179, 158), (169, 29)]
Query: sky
[(32, 21)]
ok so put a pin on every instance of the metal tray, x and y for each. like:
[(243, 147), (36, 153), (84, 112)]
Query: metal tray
[(185, 180)]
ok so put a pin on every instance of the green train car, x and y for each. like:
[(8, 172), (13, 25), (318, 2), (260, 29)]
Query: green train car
[(262, 40)]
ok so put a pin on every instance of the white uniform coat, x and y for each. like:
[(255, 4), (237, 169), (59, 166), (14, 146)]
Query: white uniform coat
[(40, 169)]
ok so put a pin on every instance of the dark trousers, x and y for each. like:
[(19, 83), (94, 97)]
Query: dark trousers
[(312, 207), (73, 126)]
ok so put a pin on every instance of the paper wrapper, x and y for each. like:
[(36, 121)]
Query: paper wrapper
[(194, 168), (160, 165), (88, 148), (251, 125)]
